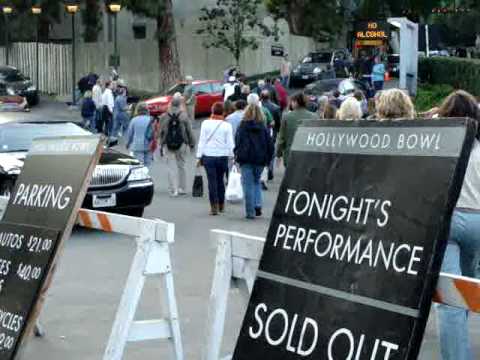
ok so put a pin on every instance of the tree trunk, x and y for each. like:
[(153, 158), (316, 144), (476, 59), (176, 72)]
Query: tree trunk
[(169, 61), (296, 16)]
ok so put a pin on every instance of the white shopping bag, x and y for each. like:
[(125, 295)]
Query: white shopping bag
[(264, 177), (234, 191)]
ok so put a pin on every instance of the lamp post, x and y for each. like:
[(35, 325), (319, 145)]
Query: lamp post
[(72, 8), (7, 10), (37, 11), (114, 7)]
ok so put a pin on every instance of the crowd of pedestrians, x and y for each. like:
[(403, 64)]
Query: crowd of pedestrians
[(252, 128)]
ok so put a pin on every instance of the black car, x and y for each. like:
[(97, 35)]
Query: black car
[(346, 87), (320, 65), (120, 183), (16, 83)]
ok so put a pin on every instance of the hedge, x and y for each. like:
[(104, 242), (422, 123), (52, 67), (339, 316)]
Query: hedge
[(457, 72)]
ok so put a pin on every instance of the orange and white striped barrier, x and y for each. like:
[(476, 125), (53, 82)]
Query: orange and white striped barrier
[(458, 291), (152, 259), (237, 259)]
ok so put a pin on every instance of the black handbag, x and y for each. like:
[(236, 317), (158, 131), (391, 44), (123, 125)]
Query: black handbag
[(197, 190)]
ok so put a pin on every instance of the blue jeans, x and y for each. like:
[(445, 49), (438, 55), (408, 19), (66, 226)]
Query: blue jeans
[(252, 189), (121, 123), (216, 168), (285, 81), (378, 85), (89, 122), (461, 258)]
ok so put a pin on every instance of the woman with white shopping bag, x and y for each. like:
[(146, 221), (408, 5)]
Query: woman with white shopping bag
[(253, 152)]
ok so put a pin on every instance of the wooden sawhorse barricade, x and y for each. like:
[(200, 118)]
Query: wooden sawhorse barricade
[(152, 259), (237, 259)]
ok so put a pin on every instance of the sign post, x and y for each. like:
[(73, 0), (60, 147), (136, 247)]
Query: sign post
[(39, 218), (356, 242)]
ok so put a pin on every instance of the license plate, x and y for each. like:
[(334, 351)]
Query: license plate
[(103, 201), (305, 77)]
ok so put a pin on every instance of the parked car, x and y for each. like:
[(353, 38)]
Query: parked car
[(120, 183), (320, 65), (207, 92), (18, 84), (393, 65), (346, 87)]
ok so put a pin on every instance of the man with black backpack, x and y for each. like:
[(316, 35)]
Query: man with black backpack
[(175, 137)]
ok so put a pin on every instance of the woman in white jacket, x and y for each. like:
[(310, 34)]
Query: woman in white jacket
[(215, 147)]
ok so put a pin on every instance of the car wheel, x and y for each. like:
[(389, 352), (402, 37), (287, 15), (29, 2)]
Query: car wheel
[(135, 212), (33, 100)]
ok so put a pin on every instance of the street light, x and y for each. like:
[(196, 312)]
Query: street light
[(72, 8), (7, 10), (37, 11), (114, 8)]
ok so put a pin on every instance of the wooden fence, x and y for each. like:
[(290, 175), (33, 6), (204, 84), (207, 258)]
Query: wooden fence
[(55, 64)]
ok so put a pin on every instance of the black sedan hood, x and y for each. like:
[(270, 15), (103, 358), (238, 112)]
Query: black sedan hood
[(112, 157), (109, 157)]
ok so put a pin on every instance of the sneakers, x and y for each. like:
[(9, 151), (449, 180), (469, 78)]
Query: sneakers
[(258, 212), (174, 194), (182, 192)]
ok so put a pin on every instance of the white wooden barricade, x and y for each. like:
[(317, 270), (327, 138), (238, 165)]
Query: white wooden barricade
[(152, 259), (237, 259)]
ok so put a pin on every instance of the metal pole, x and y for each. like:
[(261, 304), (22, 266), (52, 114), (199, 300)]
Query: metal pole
[(115, 35), (7, 50), (37, 56), (427, 41), (74, 102)]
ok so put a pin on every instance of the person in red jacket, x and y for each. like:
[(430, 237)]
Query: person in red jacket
[(282, 95)]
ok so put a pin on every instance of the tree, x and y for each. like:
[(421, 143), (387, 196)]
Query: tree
[(233, 25), (162, 12), (92, 17), (322, 20)]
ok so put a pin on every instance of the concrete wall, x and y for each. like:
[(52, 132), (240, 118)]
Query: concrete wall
[(139, 59)]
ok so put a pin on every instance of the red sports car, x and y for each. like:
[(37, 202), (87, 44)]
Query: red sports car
[(207, 92)]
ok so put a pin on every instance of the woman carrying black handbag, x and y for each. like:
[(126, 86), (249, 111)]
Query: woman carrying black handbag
[(215, 147)]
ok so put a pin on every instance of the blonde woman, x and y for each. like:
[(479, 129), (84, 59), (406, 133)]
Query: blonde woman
[(350, 109), (253, 152), (394, 104)]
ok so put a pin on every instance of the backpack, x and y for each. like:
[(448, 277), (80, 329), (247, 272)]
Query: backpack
[(174, 140)]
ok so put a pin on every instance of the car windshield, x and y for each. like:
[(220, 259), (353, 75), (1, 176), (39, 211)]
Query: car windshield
[(324, 57), (19, 137), (12, 76), (176, 88), (393, 59)]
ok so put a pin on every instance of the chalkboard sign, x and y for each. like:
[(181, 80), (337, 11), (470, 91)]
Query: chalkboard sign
[(39, 217), (356, 241)]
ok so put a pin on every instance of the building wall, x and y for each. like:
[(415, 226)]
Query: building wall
[(139, 58)]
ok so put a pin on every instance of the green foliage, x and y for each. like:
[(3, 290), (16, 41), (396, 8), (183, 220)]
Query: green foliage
[(232, 25), (154, 9), (92, 20), (460, 29), (430, 96), (456, 72), (322, 20)]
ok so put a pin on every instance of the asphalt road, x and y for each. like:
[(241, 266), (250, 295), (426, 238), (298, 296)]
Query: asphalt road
[(82, 302)]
